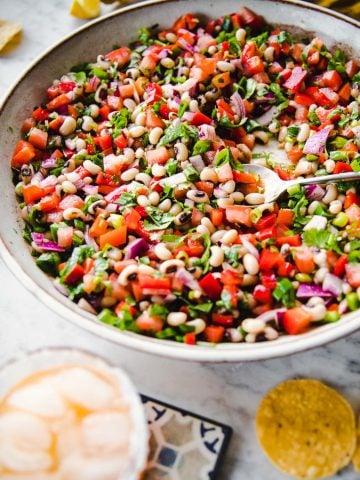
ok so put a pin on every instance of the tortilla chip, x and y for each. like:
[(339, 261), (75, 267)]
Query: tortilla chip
[(356, 456), (8, 31), (306, 429)]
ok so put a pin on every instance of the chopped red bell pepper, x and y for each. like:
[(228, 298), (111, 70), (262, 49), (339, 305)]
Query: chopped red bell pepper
[(211, 286)]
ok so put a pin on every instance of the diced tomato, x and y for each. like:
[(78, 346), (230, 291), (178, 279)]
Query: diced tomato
[(59, 101), (211, 286), (262, 294), (353, 213), (239, 214), (200, 119), (121, 56), (353, 274), (75, 275), (152, 120), (115, 237), (214, 333), (104, 142), (190, 338), (250, 50), (65, 237), (295, 80), (303, 99), (147, 281), (159, 155), (40, 114), (340, 264), (351, 68), (24, 152), (49, 202), (296, 320), (132, 219), (331, 96), (294, 154), (265, 233), (148, 323), (292, 240), (285, 217), (121, 141), (254, 65), (71, 201), (268, 280), (265, 222), (304, 260), (331, 79), (217, 216), (242, 177), (342, 167), (221, 319), (350, 199), (269, 260), (99, 227), (32, 193), (225, 109), (285, 269)]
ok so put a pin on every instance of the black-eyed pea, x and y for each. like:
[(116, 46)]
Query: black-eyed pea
[(233, 335), (171, 266), (217, 256), (304, 132), (127, 275), (155, 135), (330, 195), (88, 124), (197, 196), (165, 205), (230, 237), (251, 264), (199, 325), (253, 325), (68, 126), (317, 311), (228, 186), (208, 174), (182, 152), (143, 178), (237, 197), (225, 66), (208, 224), (225, 202), (240, 35), (143, 201), (174, 319), (329, 165), (335, 207), (129, 174), (202, 230), (249, 280), (313, 206), (154, 198), (269, 54), (303, 168), (255, 198), (270, 333), (217, 236)]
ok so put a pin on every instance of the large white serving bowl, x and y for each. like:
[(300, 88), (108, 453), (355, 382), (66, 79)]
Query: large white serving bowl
[(83, 45)]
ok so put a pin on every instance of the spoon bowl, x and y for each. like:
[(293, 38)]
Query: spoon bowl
[(274, 186)]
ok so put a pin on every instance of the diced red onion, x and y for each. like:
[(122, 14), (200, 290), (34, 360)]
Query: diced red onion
[(94, 83), (45, 244), (237, 104), (90, 189), (37, 178), (249, 247), (316, 143), (271, 315), (49, 181), (115, 194), (183, 43), (332, 284), (267, 117), (89, 240), (207, 132), (85, 305), (49, 163), (197, 162), (187, 116), (137, 248), (314, 192), (187, 279), (306, 290)]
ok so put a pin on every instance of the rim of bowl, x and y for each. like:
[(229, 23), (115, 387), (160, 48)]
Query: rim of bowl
[(225, 352)]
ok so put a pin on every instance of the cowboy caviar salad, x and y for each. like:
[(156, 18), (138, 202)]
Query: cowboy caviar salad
[(131, 182)]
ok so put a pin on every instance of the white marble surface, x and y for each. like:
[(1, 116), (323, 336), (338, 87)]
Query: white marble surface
[(229, 393)]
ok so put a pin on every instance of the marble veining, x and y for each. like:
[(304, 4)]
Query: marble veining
[(228, 393)]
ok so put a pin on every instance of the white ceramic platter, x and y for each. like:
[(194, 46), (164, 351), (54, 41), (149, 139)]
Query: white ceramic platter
[(84, 45)]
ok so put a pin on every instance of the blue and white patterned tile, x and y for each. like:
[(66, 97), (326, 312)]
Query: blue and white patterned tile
[(183, 445)]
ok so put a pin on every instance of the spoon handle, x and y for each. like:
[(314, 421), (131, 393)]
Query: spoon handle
[(340, 177)]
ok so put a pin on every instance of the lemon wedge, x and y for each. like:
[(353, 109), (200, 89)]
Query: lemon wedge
[(85, 8)]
